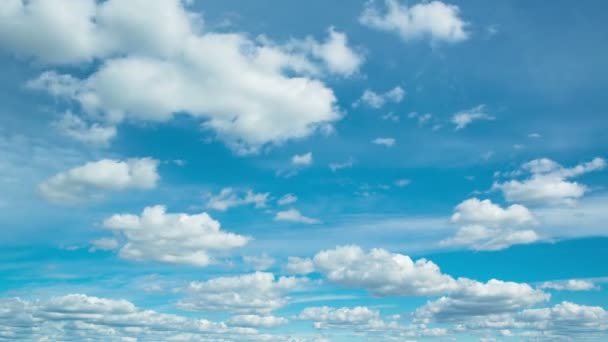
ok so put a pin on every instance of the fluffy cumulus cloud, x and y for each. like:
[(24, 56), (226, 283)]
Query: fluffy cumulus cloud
[(294, 215), (176, 238), (472, 298), (381, 272), (566, 321), (377, 101), (77, 317), (434, 20), (297, 265), (548, 183), (249, 93), (258, 293), (76, 128), (92, 179), (487, 226), (229, 197), (465, 117), (326, 317)]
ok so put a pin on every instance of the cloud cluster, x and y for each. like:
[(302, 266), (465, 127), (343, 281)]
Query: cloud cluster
[(434, 20), (255, 293), (93, 179), (377, 101), (175, 238), (155, 60), (464, 118)]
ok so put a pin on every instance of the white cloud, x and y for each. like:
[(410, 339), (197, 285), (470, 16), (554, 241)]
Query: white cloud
[(92, 179), (175, 238), (388, 142), (73, 317), (302, 159), (568, 285), (294, 215), (287, 199), (435, 20), (259, 263), (475, 211), (549, 182), (257, 321), (486, 226), (567, 320), (175, 67), (381, 272), (229, 198), (326, 317), (341, 165), (76, 128), (466, 117), (257, 292), (335, 52), (297, 265), (402, 182), (535, 135), (375, 100), (471, 298)]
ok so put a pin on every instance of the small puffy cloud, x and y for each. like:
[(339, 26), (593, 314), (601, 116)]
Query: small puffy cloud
[(381, 272), (388, 142), (466, 117), (487, 226), (258, 292), (302, 159), (549, 182), (175, 238), (76, 128), (259, 263), (92, 179), (229, 198), (297, 265), (287, 199), (568, 285), (336, 54), (534, 136), (294, 215), (256, 321), (434, 20), (377, 101), (471, 298)]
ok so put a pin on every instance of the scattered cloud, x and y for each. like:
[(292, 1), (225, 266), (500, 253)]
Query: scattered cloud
[(548, 182), (568, 285), (256, 321), (259, 263), (466, 117), (335, 166), (287, 199), (388, 142), (229, 198), (294, 215), (434, 20), (93, 179), (377, 101), (301, 160)]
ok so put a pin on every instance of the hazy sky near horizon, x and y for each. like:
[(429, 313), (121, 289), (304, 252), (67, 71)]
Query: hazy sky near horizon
[(303, 171)]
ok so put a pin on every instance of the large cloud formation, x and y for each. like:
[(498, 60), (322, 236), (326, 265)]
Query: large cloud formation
[(156, 60)]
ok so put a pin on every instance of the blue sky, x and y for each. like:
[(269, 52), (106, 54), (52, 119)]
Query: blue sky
[(303, 171)]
